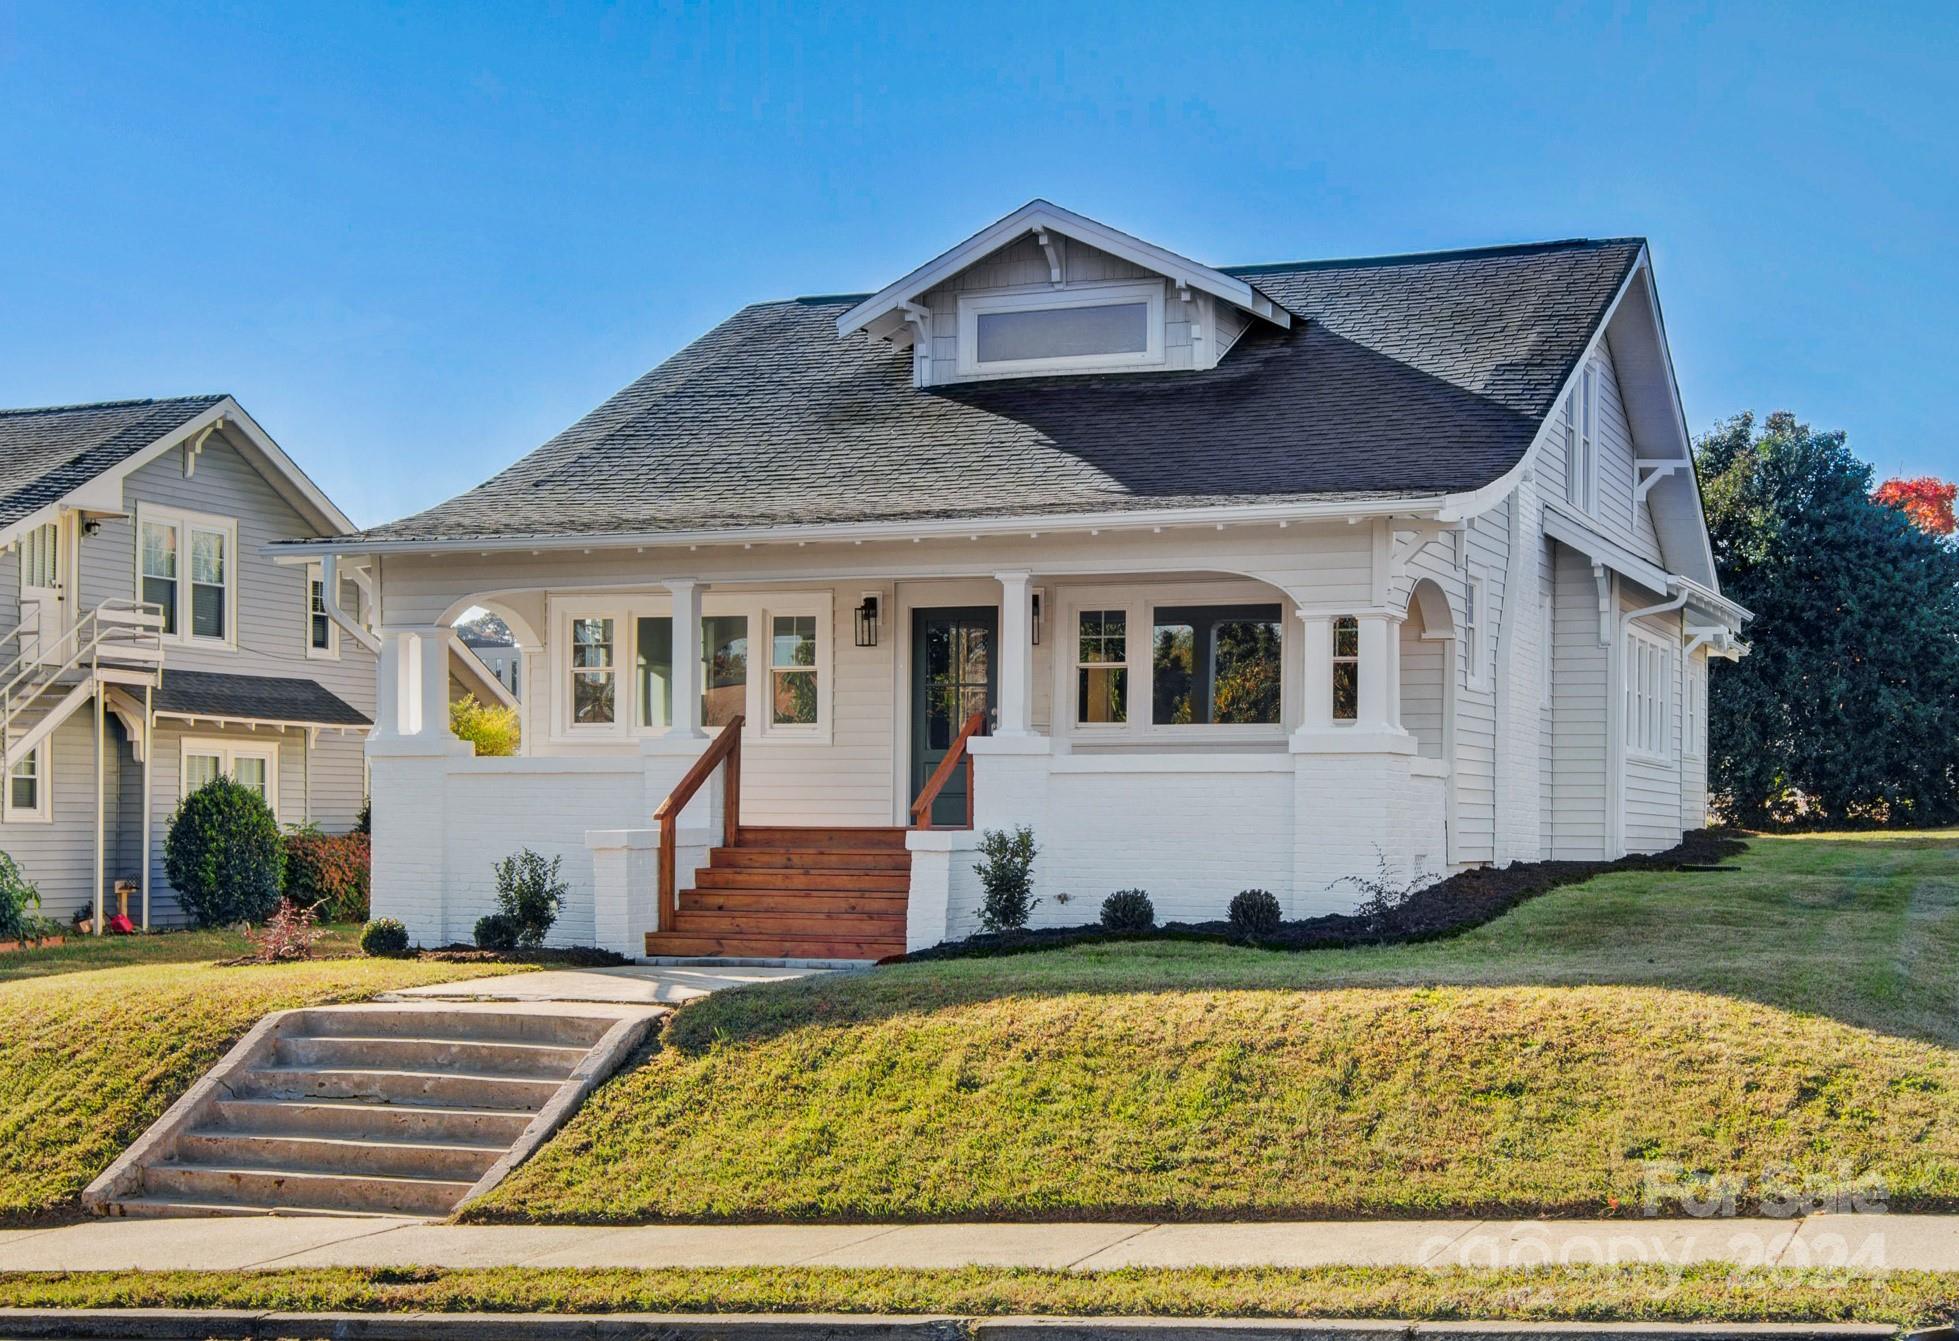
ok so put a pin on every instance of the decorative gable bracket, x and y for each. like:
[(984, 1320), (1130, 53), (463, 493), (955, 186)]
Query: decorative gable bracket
[(1654, 470)]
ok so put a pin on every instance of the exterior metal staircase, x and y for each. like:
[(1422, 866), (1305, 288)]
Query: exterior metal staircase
[(118, 642)]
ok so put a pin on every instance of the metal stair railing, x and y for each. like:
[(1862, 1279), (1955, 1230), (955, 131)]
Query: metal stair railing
[(122, 633)]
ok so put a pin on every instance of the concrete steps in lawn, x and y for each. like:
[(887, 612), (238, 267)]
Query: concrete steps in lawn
[(396, 1108)]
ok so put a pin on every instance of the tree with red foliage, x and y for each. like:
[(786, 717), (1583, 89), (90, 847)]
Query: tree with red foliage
[(1927, 500)]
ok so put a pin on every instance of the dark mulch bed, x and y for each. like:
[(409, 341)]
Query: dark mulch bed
[(578, 956), (1448, 908)]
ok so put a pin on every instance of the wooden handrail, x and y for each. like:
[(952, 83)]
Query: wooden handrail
[(921, 809), (725, 748)]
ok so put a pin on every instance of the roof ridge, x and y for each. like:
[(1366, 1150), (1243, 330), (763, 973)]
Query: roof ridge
[(1445, 254), (110, 404)]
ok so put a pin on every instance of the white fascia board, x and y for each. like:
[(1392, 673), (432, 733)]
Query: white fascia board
[(95, 493), (1424, 507), (1041, 214)]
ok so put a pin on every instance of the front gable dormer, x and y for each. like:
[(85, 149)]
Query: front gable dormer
[(1046, 292)]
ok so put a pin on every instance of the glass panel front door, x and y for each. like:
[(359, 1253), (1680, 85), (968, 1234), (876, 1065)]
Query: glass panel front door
[(953, 676)]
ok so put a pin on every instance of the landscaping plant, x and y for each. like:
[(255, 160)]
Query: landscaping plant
[(18, 899), (490, 727), (530, 894), (1007, 874), (329, 872), (384, 938), (496, 931), (1255, 912), (1128, 910), (288, 934), (223, 855)]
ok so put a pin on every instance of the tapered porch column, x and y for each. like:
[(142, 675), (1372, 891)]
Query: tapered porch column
[(1379, 651), (432, 681), (686, 724), (1016, 654), (1317, 643)]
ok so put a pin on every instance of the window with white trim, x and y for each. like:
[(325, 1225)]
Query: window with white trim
[(1580, 429), (40, 557), (1102, 668), (1649, 679), (1346, 669), (1473, 650), (793, 676), (29, 797), (185, 564), (1694, 709), (322, 634), (594, 672), (1061, 330), (1218, 665), (252, 764)]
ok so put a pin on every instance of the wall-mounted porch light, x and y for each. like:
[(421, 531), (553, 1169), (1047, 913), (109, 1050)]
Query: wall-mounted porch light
[(1037, 618), (867, 620)]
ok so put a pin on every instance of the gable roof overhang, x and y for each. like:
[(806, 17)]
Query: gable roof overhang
[(102, 493), (887, 312)]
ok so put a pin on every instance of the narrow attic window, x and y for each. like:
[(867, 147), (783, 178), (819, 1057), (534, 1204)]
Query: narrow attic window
[(1061, 330)]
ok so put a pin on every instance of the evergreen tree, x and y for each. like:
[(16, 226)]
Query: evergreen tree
[(1847, 709)]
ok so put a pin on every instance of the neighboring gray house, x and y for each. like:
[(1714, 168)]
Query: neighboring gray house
[(503, 662), (136, 574)]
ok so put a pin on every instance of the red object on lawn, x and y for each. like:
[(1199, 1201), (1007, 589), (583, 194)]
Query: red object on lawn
[(121, 925)]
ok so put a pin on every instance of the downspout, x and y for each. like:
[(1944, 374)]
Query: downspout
[(330, 599), (1616, 716)]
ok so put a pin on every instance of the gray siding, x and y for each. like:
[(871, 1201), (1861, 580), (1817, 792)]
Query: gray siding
[(1578, 712)]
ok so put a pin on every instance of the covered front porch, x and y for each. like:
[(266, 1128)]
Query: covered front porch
[(780, 748)]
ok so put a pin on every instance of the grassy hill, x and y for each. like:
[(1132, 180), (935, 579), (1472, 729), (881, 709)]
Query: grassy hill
[(1797, 1011)]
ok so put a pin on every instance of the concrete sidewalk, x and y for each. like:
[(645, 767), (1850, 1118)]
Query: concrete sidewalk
[(1869, 1242)]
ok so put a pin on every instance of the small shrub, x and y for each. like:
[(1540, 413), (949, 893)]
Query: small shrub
[(19, 900), (364, 818), (1383, 896), (1128, 910), (288, 934), (490, 727), (329, 872), (530, 894), (496, 931), (1007, 872), (223, 855), (384, 938), (1255, 912)]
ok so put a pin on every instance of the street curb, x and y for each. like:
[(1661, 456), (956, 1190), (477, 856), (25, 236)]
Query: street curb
[(155, 1324)]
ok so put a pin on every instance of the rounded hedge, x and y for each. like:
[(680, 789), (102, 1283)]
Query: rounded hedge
[(223, 855), (497, 931), (1128, 910), (384, 938), (1255, 912)]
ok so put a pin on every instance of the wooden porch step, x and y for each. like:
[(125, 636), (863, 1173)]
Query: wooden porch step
[(789, 859), (823, 926), (796, 839), (805, 878), (775, 900), (768, 947)]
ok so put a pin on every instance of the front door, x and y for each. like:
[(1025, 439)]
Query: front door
[(952, 677), (40, 592)]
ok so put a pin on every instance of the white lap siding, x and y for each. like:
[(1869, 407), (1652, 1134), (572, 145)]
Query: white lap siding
[(1578, 712), (1653, 786)]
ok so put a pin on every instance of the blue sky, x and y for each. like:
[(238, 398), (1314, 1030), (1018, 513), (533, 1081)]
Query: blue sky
[(417, 240)]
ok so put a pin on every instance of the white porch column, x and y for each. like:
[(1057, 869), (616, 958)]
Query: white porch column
[(1377, 666), (1318, 673), (431, 681), (1016, 654), (533, 697), (388, 674), (410, 755), (686, 724)]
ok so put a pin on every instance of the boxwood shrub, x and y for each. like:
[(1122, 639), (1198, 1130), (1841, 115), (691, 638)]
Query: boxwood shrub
[(224, 856)]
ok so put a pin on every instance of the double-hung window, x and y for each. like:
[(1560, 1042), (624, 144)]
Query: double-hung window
[(1580, 431), (1101, 668), (249, 764), (1649, 676), (322, 637), (27, 787), (1474, 649), (594, 672), (1346, 669), (792, 671), (1694, 709), (185, 565)]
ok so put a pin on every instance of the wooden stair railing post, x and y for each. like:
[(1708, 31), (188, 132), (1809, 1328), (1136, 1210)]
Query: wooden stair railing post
[(724, 749), (921, 809)]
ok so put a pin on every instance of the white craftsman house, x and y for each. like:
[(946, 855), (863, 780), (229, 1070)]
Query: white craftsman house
[(1216, 577), (149, 642)]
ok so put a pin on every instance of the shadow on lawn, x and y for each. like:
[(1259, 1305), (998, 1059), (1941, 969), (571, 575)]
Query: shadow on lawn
[(1859, 928)]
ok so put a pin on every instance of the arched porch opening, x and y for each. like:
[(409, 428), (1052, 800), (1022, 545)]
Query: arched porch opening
[(1428, 638)]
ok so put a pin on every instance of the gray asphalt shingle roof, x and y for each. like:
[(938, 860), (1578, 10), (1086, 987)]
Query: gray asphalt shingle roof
[(1419, 374), (259, 698), (47, 453)]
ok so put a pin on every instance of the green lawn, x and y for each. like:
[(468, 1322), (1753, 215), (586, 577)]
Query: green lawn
[(1632, 1293), (78, 953), (1799, 1010), (88, 1059)]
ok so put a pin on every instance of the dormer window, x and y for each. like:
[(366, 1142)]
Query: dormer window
[(1061, 330)]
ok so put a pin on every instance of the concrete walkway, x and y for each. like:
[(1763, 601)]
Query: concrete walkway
[(1871, 1242), (633, 985)]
